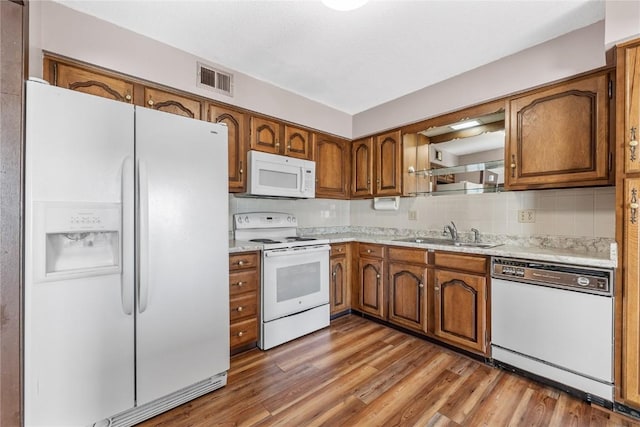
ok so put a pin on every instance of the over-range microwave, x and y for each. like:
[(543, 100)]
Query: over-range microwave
[(271, 175)]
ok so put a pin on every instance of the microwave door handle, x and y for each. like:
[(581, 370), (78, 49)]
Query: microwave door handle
[(302, 179)]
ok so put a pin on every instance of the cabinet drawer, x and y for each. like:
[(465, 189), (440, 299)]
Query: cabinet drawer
[(243, 332), (243, 281), (474, 263), (245, 305), (417, 256), (339, 249), (370, 250), (243, 260)]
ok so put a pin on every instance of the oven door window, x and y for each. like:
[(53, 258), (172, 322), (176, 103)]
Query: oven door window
[(297, 281), (294, 282)]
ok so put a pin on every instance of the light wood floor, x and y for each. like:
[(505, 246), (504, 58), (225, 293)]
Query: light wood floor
[(360, 373)]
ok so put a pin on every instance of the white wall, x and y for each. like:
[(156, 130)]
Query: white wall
[(570, 54), (622, 21), (61, 30)]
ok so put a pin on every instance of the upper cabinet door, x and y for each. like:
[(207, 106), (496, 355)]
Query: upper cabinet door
[(237, 127), (333, 159), (629, 61), (171, 103), (88, 81), (388, 164), (362, 168), (559, 137), (298, 143), (265, 136)]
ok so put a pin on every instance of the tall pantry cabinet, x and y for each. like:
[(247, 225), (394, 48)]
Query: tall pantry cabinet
[(628, 220)]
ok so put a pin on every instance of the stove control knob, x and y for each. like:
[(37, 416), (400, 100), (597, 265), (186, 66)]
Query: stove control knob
[(288, 219), (239, 219), (246, 219)]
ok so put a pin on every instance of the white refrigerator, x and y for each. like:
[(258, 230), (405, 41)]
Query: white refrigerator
[(126, 263)]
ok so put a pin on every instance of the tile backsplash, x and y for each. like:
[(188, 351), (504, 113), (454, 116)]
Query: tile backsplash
[(581, 212)]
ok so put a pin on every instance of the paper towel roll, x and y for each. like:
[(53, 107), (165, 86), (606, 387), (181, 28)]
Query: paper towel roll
[(386, 203)]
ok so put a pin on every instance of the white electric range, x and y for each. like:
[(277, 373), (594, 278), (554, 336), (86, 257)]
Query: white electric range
[(295, 276)]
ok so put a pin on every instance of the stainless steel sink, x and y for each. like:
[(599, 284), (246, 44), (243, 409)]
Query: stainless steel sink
[(477, 245), (447, 242)]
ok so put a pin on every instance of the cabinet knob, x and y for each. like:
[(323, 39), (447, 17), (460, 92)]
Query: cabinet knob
[(241, 263), (240, 308), (239, 284), (241, 333), (633, 204), (334, 274), (368, 251), (421, 285), (150, 102), (513, 166), (339, 249), (277, 144), (436, 289), (241, 171), (377, 276), (128, 97)]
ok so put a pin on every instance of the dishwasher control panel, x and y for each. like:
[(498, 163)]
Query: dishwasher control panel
[(563, 276)]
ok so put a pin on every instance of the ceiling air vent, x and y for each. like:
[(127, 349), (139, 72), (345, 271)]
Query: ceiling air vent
[(215, 79)]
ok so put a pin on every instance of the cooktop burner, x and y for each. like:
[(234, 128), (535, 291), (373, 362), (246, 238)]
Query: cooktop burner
[(300, 239), (265, 241)]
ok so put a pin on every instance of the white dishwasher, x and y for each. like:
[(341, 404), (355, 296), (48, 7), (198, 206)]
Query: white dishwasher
[(555, 321)]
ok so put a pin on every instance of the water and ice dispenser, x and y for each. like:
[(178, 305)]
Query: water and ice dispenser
[(74, 240)]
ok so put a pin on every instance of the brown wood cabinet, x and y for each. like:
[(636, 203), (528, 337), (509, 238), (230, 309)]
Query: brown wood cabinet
[(408, 278), (172, 103), (88, 81), (627, 289), (388, 165), (298, 143), (362, 168), (333, 162), (265, 135), (559, 136), (461, 301), (244, 300), (371, 283), (237, 127), (340, 272), (376, 164)]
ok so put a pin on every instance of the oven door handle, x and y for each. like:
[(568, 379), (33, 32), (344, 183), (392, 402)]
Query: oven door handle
[(296, 251)]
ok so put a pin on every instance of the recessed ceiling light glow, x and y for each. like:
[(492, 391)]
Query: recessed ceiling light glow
[(344, 5), (465, 125)]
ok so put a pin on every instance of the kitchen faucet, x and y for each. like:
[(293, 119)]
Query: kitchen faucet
[(476, 235), (452, 230)]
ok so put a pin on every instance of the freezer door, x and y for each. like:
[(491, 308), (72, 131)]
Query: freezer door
[(182, 330), (79, 320)]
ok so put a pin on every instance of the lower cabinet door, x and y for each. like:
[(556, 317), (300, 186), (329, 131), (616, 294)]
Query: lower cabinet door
[(407, 295), (339, 283), (371, 289), (461, 309)]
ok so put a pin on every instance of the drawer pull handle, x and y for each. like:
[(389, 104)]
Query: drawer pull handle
[(240, 263), (238, 284), (150, 102), (241, 333), (239, 309), (513, 166), (368, 251)]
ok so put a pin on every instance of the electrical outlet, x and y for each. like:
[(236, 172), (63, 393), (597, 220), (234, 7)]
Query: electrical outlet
[(413, 215), (527, 215)]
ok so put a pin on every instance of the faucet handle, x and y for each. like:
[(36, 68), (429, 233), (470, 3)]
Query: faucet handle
[(476, 235)]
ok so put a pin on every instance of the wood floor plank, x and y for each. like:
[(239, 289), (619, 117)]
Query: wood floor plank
[(470, 394), (361, 373)]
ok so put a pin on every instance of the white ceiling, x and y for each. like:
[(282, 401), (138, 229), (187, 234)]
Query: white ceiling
[(354, 60)]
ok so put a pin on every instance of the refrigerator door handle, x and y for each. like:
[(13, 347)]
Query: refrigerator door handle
[(143, 237), (127, 280)]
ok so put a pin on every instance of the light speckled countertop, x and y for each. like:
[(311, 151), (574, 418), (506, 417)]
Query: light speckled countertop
[(602, 259)]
